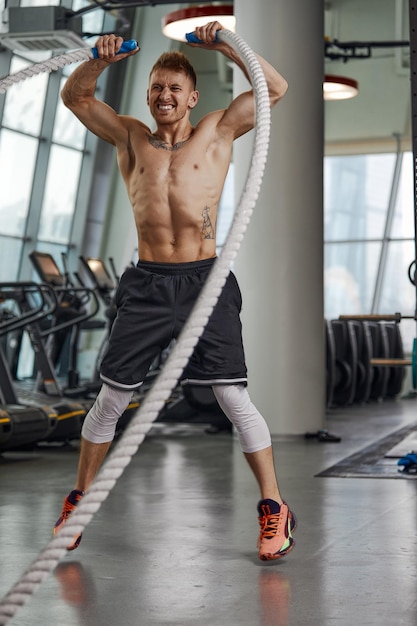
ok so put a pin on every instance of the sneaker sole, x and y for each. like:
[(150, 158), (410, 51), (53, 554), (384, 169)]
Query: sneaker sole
[(75, 545)]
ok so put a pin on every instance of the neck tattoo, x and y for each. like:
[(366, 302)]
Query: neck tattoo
[(157, 142)]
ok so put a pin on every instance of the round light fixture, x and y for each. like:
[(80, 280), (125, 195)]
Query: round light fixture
[(177, 23), (339, 87)]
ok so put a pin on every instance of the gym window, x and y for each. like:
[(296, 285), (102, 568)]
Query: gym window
[(369, 236)]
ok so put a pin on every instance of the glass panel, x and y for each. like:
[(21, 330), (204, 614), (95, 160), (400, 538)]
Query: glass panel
[(60, 194), (92, 20), (349, 277), (25, 102), (403, 222), (356, 195), (38, 3), (397, 293), (26, 359), (408, 332), (17, 164), (68, 129), (10, 252), (68, 69)]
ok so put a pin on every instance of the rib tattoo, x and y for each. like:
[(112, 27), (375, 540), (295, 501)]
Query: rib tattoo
[(207, 229)]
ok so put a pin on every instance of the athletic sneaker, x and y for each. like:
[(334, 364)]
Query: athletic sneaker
[(69, 506), (277, 523)]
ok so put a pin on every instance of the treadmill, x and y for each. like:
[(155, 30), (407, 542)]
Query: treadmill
[(27, 417)]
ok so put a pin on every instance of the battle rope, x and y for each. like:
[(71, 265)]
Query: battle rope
[(50, 65), (56, 63), (154, 401)]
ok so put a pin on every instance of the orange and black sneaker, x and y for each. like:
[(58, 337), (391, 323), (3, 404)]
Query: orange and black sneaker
[(70, 503), (277, 523)]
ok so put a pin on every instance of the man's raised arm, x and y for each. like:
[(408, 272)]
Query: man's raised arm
[(79, 89), (240, 115)]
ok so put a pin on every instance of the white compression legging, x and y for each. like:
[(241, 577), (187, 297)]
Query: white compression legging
[(251, 427), (100, 423)]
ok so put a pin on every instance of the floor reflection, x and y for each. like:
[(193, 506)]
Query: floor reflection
[(77, 587), (274, 597)]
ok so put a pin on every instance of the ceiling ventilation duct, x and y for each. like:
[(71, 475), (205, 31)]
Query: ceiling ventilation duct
[(42, 28)]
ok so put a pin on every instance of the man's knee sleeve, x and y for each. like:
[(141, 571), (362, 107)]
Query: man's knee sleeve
[(100, 423), (253, 431)]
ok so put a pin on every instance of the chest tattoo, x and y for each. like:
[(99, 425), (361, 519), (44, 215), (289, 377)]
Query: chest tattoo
[(158, 143)]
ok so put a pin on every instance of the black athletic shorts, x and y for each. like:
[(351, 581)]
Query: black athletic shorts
[(153, 302)]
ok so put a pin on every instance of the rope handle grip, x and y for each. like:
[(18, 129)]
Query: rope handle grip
[(192, 38), (127, 46)]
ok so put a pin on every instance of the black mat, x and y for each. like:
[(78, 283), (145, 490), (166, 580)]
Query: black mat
[(371, 462)]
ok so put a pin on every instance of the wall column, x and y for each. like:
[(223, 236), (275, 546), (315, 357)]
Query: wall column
[(280, 264)]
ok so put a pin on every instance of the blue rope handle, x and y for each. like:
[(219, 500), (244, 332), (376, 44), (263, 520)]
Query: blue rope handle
[(50, 65), (127, 46)]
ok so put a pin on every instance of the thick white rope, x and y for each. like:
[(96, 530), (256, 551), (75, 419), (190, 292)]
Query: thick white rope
[(155, 399), (51, 65)]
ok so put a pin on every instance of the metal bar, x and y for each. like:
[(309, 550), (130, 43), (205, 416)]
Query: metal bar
[(388, 225), (370, 44), (413, 77), (391, 362), (377, 317), (7, 391)]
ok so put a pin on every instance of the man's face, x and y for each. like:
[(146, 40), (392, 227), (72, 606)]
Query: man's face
[(170, 96)]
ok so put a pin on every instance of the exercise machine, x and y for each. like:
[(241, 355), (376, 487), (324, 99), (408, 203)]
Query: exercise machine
[(27, 416), (76, 308), (84, 304)]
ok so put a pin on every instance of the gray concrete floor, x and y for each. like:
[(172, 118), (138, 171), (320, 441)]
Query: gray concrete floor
[(175, 542)]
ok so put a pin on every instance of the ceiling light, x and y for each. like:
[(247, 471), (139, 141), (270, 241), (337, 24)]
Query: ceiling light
[(177, 23), (339, 88)]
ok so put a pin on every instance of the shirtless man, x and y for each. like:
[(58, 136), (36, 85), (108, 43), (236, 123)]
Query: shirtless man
[(174, 176)]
